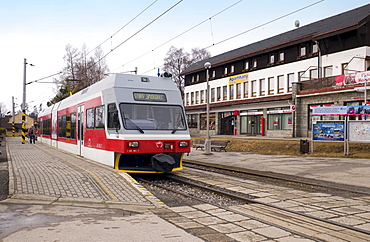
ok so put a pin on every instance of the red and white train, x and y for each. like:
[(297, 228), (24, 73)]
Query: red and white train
[(131, 123)]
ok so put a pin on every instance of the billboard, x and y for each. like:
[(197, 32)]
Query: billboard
[(328, 130)]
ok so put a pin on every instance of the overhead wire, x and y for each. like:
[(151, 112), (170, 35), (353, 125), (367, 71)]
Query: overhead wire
[(213, 44), (111, 37), (137, 32), (268, 22), (186, 31)]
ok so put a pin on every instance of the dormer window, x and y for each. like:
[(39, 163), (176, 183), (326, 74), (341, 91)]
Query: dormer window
[(314, 48), (281, 56), (302, 51), (246, 65), (255, 63), (272, 59)]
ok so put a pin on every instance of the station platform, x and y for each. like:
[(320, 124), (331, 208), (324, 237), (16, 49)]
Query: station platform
[(57, 196), (341, 172)]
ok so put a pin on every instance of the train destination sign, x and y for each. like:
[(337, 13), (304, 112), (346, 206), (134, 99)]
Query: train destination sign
[(150, 97)]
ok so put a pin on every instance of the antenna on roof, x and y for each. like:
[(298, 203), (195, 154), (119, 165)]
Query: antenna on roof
[(297, 23)]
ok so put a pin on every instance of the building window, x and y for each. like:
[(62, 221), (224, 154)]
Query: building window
[(203, 121), (245, 89), (270, 86), (255, 63), (196, 97), (328, 71), (254, 88), (224, 92), (313, 74), (192, 120), (344, 68), (202, 96), (278, 118), (231, 92), (314, 48), (238, 90), (197, 80), (212, 95), (225, 70), (280, 80), (302, 51), (232, 69), (192, 79), (218, 93), (187, 98), (290, 81), (246, 65), (262, 87), (192, 98), (281, 56), (213, 74), (272, 59), (301, 76)]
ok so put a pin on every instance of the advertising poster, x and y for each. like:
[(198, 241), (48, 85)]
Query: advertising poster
[(328, 130)]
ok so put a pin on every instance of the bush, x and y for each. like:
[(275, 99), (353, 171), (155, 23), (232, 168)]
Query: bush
[(2, 131)]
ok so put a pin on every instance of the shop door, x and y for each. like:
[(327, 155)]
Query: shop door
[(253, 125), (227, 126)]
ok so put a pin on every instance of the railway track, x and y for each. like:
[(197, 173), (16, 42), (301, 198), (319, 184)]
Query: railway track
[(296, 219)]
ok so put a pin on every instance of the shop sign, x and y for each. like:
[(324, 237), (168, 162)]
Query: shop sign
[(239, 78)]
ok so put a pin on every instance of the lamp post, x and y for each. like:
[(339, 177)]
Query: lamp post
[(207, 142)]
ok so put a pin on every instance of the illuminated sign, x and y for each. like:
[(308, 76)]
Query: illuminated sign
[(239, 78), (150, 97)]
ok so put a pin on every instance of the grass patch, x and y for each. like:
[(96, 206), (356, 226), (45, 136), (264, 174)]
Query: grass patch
[(292, 147)]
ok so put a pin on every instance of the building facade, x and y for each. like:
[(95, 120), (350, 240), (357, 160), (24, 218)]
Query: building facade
[(269, 87)]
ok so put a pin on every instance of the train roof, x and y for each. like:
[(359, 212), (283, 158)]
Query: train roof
[(117, 80)]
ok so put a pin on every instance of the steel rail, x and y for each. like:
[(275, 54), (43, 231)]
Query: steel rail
[(235, 196)]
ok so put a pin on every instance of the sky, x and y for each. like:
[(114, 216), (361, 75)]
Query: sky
[(40, 30)]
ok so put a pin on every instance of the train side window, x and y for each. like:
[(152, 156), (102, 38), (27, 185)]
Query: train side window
[(90, 118), (99, 117), (113, 121)]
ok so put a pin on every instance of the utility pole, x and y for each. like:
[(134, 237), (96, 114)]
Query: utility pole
[(24, 104), (13, 121)]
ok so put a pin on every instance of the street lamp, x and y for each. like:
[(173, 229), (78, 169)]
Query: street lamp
[(207, 142)]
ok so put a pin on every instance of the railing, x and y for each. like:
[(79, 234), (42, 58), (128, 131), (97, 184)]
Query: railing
[(318, 83)]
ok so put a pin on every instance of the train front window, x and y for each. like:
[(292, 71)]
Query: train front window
[(152, 117)]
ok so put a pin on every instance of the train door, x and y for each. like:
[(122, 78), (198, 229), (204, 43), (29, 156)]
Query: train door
[(80, 130)]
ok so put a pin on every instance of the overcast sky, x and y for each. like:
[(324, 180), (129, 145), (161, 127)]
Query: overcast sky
[(39, 31)]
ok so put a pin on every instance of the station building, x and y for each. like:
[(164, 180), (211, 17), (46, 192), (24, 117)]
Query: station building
[(269, 87)]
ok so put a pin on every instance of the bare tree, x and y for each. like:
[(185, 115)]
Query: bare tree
[(3, 109), (177, 60), (80, 71)]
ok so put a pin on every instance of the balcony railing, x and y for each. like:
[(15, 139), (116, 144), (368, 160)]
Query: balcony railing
[(318, 83)]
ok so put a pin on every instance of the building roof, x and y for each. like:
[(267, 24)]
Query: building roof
[(315, 31)]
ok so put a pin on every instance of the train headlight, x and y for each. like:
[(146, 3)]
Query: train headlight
[(184, 143), (133, 144)]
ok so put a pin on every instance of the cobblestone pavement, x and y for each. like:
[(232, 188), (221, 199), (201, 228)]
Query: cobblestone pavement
[(38, 170)]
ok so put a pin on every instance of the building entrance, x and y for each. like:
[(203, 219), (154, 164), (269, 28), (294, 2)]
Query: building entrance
[(250, 125), (227, 125)]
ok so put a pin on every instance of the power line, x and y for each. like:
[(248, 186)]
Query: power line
[(259, 26), (177, 36), (213, 44), (124, 26), (147, 25)]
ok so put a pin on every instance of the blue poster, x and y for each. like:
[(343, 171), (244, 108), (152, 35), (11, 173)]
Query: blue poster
[(328, 130)]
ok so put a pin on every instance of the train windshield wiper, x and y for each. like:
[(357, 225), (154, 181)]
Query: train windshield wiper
[(135, 125), (177, 126)]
